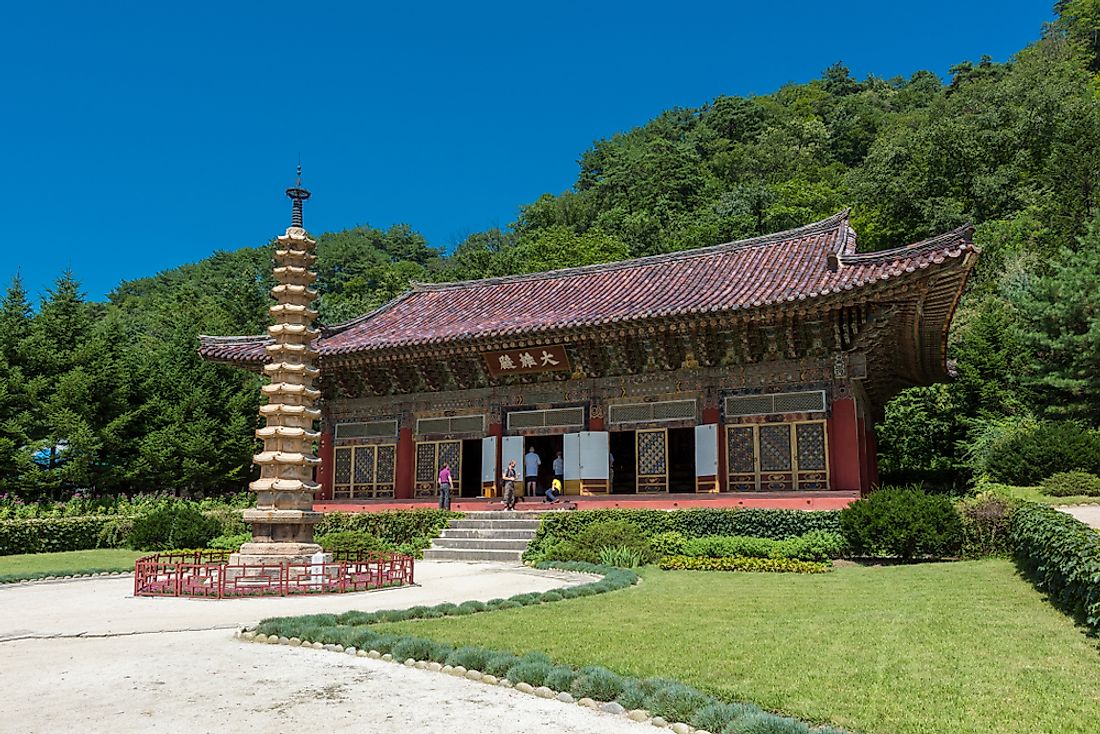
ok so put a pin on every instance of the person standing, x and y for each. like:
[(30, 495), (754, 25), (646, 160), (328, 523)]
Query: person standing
[(510, 486), (445, 487), (531, 464), (559, 470)]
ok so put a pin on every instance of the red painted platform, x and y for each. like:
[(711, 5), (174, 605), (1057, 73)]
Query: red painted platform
[(769, 500)]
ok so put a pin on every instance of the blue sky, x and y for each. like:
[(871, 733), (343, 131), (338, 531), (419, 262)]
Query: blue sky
[(140, 136)]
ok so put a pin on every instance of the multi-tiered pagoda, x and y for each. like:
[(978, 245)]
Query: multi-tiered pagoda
[(752, 366)]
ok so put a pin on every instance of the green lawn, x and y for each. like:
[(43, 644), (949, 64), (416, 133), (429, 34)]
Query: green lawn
[(945, 648), (53, 564), (1035, 494)]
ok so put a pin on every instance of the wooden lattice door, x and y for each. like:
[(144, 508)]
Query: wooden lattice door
[(651, 455), (430, 457)]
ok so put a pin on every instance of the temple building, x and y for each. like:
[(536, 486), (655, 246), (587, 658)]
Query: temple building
[(752, 366)]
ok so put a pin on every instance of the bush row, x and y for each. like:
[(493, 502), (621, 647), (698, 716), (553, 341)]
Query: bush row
[(182, 524), (1062, 556), (51, 535), (741, 563), (14, 508), (693, 523), (672, 700), (816, 545)]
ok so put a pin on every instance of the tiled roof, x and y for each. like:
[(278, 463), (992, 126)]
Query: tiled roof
[(810, 262)]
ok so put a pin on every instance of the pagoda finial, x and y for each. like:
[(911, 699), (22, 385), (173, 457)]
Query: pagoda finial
[(297, 195)]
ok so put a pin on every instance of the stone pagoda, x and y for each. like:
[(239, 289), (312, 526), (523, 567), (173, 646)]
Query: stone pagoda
[(283, 519)]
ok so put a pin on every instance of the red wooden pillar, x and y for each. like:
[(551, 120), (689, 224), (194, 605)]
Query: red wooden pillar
[(712, 415), (864, 467), (844, 441), (872, 458), (326, 452), (595, 424), (406, 464)]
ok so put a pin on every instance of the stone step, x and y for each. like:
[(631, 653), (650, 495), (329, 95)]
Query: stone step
[(503, 515), (486, 533), (482, 543), (518, 524), (456, 554)]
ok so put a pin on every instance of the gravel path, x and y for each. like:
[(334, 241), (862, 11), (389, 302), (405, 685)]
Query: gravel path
[(83, 655), (1088, 514)]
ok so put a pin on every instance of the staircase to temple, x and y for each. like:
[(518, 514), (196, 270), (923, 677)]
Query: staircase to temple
[(485, 536)]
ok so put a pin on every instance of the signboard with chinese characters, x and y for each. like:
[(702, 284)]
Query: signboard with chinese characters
[(526, 361)]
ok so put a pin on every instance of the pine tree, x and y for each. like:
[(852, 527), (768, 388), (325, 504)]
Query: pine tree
[(1060, 315)]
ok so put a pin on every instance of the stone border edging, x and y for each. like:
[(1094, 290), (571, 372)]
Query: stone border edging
[(66, 577), (639, 715)]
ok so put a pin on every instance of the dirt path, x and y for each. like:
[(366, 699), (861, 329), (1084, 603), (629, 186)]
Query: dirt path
[(84, 656)]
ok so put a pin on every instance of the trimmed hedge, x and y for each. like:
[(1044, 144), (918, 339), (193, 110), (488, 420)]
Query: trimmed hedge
[(1061, 554), (742, 563), (50, 535), (694, 523), (393, 526)]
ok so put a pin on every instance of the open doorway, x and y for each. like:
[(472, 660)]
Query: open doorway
[(681, 459), (625, 472), (547, 448), (470, 481)]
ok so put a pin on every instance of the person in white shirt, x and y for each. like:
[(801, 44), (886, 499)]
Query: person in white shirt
[(531, 464)]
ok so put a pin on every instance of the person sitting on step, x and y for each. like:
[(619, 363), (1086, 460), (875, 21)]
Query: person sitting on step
[(553, 491)]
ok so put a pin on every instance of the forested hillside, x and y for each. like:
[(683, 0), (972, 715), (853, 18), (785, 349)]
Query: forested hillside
[(112, 396)]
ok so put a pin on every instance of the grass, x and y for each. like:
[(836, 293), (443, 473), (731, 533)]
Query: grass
[(36, 565), (965, 647), (1035, 494)]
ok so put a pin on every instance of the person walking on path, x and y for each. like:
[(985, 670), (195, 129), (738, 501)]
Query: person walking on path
[(531, 464), (510, 486), (445, 487)]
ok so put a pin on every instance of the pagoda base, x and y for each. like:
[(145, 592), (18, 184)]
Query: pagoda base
[(276, 554)]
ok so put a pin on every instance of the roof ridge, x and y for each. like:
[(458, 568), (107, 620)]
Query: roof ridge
[(962, 233), (824, 225), (255, 338)]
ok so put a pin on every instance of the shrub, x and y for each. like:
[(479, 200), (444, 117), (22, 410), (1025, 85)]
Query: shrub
[(1025, 457), (551, 596), (816, 545), (532, 672), (49, 535), (597, 683), (500, 663), (470, 657), (393, 526), (724, 546), (417, 648), (985, 523), (1062, 556), (903, 522), (668, 543), (588, 543), (351, 541), (474, 605), (115, 533), (561, 677), (677, 702), (716, 717), (741, 563), (229, 542), (1071, 483), (620, 556), (765, 723), (558, 527), (172, 526), (229, 520)]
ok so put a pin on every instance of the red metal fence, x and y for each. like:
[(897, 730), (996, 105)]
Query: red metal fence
[(208, 574)]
